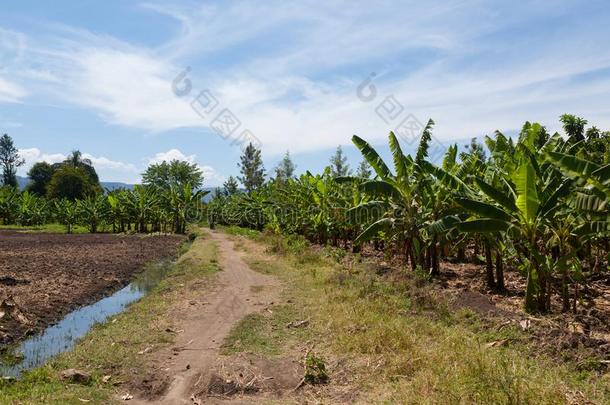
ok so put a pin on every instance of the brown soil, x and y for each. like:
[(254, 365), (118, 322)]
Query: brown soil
[(247, 374), (191, 369), (45, 276)]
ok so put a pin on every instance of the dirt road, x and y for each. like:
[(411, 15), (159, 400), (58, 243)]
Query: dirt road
[(204, 324)]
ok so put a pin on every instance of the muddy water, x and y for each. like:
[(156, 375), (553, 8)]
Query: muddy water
[(37, 350)]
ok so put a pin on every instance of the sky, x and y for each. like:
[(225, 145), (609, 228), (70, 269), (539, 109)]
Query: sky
[(130, 83)]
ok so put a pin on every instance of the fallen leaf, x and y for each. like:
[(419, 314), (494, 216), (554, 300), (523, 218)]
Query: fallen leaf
[(147, 350), (298, 324), (127, 397), (575, 327), (497, 343), (106, 378)]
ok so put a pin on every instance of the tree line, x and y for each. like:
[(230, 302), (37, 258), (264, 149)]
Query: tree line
[(69, 193), (536, 204)]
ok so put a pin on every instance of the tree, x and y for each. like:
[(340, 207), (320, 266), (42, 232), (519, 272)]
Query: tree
[(66, 213), (230, 186), (40, 176), (9, 160), (72, 183), (75, 159), (574, 127), (285, 169), (177, 173), (473, 150), (251, 168), (92, 210), (338, 164), (364, 170)]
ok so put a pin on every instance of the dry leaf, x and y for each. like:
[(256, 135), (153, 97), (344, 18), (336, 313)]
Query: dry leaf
[(497, 343), (147, 350)]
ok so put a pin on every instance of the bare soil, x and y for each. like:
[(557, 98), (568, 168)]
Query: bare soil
[(43, 277), (192, 370)]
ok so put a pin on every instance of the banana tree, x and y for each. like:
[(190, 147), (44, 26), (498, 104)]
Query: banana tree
[(32, 209), (524, 211), (9, 204), (66, 213), (405, 197), (92, 211)]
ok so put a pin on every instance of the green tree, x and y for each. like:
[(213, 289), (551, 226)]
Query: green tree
[(72, 183), (66, 213), (574, 127), (285, 169), (75, 159), (175, 173), (40, 176), (338, 164), (474, 150), (9, 160), (230, 186), (364, 170), (251, 168), (92, 210)]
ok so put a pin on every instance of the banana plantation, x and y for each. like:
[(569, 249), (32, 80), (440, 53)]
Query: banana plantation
[(535, 205), (142, 209)]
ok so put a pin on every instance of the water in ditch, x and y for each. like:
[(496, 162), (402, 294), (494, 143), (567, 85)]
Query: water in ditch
[(37, 350)]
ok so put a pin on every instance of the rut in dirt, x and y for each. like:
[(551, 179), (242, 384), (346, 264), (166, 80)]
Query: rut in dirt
[(188, 365)]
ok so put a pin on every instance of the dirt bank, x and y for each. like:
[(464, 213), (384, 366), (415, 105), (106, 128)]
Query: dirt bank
[(45, 276)]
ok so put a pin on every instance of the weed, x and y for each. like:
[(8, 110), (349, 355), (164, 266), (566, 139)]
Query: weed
[(315, 370)]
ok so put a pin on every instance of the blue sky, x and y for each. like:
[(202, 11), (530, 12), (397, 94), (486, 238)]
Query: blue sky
[(97, 76)]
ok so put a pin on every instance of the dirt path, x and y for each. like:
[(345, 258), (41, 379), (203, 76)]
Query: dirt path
[(207, 321)]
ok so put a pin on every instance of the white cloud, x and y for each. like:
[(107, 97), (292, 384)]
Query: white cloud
[(34, 155), (10, 92), (172, 154), (446, 60), (105, 163), (211, 177)]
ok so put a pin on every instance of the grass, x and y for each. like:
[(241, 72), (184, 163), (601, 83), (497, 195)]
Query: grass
[(47, 228), (266, 335), (112, 348), (401, 341)]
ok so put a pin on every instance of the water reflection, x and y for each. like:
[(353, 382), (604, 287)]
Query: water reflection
[(37, 350)]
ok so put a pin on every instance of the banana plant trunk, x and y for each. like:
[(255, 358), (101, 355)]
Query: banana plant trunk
[(489, 267), (499, 272)]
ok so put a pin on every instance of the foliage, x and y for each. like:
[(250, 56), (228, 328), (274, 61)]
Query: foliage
[(143, 209), (40, 175), (230, 186), (285, 169), (251, 168), (71, 182), (76, 160), (175, 173), (537, 205), (315, 370), (9, 160), (338, 164)]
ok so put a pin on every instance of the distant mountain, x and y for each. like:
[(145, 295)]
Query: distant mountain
[(22, 182), (113, 185)]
